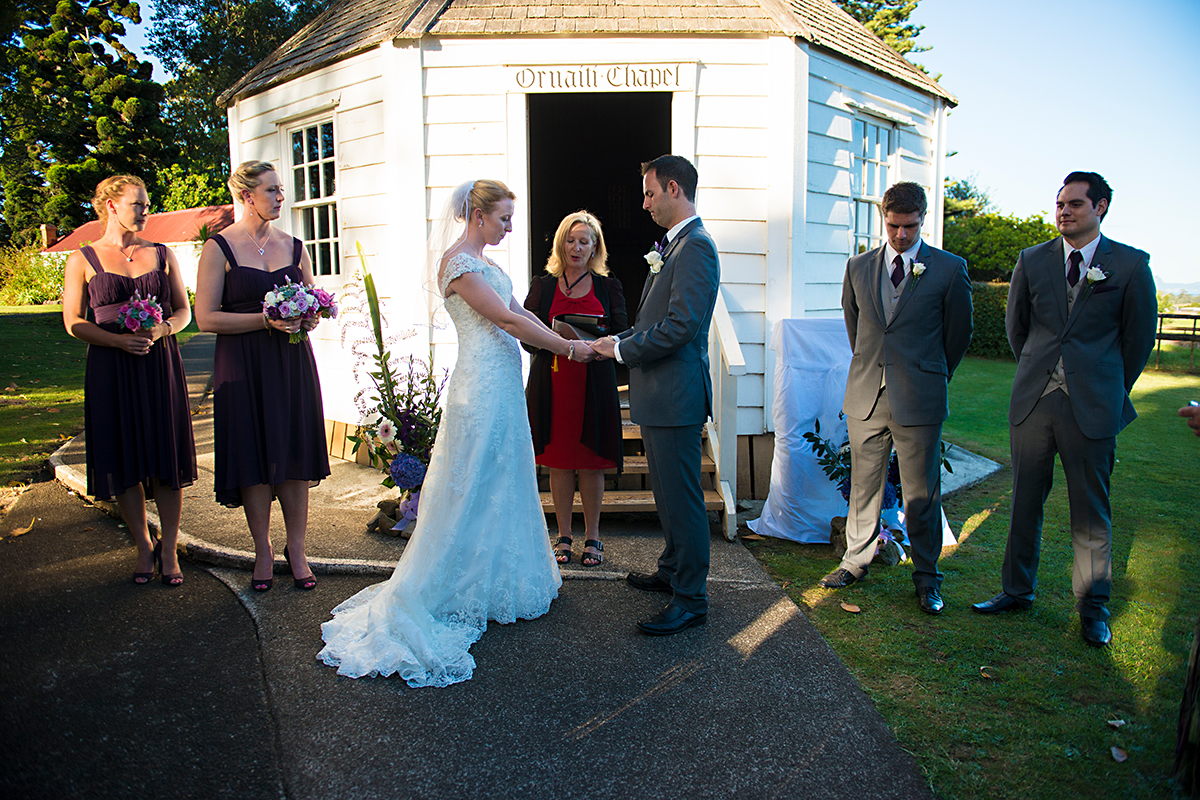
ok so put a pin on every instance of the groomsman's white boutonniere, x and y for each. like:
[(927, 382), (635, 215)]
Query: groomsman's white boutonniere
[(918, 269), (654, 258), (1094, 275)]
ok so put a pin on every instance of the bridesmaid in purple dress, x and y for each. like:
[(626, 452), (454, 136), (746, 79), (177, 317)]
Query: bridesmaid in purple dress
[(137, 422), (268, 423)]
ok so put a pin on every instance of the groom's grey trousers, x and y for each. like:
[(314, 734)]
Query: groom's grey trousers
[(673, 456)]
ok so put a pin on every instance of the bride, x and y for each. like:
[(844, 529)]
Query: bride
[(480, 550)]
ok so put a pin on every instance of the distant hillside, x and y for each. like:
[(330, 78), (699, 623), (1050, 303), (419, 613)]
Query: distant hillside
[(1172, 288)]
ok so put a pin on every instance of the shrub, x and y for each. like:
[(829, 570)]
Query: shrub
[(990, 338), (30, 277), (991, 242)]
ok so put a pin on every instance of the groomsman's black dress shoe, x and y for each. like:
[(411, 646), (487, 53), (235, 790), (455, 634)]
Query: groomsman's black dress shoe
[(1001, 603), (1096, 631), (648, 582), (671, 619), (929, 599), (838, 579)]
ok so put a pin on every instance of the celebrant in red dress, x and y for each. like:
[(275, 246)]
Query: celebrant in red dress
[(574, 412)]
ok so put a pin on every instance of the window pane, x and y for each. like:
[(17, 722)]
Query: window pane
[(306, 217), (314, 181), (333, 210), (322, 222), (297, 148), (862, 138), (298, 183), (327, 172), (327, 140), (337, 258), (324, 254), (310, 135), (312, 252)]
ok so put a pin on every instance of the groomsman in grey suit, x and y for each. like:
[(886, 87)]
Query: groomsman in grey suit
[(908, 314), (1081, 321), (670, 389)]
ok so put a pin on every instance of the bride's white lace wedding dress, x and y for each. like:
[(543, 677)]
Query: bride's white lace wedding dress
[(480, 550)]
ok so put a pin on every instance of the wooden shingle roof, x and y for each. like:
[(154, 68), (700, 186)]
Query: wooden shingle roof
[(349, 27)]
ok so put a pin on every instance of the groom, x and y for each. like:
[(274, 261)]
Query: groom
[(670, 390)]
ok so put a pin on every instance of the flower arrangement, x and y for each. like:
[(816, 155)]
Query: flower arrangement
[(655, 258), (296, 300), (402, 409), (139, 313)]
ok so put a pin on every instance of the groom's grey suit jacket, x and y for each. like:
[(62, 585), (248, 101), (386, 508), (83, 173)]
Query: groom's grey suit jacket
[(667, 348), (916, 351), (1104, 341)]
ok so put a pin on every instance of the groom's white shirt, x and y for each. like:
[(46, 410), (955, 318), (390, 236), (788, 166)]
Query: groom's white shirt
[(671, 234)]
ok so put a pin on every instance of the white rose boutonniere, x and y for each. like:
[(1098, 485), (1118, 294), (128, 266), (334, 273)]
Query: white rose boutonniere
[(918, 269), (654, 258), (1095, 274)]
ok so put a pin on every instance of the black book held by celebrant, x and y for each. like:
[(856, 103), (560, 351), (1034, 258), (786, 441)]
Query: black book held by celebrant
[(581, 326)]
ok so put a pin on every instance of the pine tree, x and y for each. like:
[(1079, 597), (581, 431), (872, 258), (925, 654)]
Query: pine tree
[(888, 19), (77, 106)]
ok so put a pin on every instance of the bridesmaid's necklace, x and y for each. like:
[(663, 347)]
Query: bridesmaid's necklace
[(128, 256), (262, 249), (577, 281)]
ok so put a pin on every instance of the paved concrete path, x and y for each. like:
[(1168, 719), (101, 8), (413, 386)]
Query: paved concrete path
[(211, 690)]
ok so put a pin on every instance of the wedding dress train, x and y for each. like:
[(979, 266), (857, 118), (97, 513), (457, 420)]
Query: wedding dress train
[(480, 550)]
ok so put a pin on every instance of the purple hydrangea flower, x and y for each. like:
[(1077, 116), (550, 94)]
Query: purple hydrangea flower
[(407, 472)]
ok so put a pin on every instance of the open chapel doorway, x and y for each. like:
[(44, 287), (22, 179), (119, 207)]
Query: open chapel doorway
[(586, 151)]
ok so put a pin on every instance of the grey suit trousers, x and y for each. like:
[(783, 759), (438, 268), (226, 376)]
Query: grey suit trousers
[(1051, 428), (673, 458), (918, 451)]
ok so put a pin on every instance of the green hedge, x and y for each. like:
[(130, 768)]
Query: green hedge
[(990, 339)]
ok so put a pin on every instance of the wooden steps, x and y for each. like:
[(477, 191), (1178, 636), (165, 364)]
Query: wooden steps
[(636, 465), (638, 500)]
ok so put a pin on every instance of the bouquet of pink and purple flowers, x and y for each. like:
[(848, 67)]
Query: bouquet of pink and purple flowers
[(139, 313), (296, 300)]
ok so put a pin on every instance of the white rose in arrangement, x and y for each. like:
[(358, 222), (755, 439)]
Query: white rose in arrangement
[(271, 299), (654, 259), (1095, 274)]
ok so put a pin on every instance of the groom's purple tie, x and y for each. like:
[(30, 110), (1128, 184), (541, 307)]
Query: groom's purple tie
[(898, 271), (1076, 258)]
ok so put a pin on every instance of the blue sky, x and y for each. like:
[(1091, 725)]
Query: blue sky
[(1047, 88)]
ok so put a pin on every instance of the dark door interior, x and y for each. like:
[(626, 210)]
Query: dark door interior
[(586, 151)]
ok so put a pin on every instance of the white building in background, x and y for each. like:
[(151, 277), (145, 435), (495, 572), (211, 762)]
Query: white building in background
[(795, 115)]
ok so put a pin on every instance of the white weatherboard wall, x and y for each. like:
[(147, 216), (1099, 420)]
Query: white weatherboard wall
[(766, 119)]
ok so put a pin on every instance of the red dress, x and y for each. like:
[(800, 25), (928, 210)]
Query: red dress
[(567, 378)]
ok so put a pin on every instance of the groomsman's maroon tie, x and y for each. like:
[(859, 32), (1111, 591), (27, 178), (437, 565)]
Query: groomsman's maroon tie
[(1076, 258), (898, 271)]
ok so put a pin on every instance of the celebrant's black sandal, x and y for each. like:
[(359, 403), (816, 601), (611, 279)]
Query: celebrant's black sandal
[(591, 559), (563, 556)]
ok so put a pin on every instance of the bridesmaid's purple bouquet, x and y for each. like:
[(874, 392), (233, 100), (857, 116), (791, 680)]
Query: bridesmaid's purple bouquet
[(296, 300), (139, 313)]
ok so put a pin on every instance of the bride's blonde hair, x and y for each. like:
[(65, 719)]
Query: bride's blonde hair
[(482, 194)]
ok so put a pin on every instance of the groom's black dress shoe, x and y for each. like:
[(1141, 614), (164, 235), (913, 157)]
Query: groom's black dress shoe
[(671, 619), (1000, 603), (838, 579), (1095, 631), (929, 599), (648, 582)]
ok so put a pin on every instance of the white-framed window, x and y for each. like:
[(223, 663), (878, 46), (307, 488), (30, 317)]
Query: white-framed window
[(314, 194), (874, 147)]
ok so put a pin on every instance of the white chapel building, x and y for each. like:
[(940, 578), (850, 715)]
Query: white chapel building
[(795, 115)]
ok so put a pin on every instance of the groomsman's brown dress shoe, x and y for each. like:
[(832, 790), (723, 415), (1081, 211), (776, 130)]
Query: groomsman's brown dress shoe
[(838, 579), (999, 604), (1095, 631)]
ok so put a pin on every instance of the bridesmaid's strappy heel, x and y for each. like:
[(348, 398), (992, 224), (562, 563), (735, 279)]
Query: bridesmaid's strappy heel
[(143, 578), (261, 584), (174, 579), (563, 556), (591, 559), (307, 584)]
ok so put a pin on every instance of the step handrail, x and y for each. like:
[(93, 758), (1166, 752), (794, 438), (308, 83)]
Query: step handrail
[(726, 363)]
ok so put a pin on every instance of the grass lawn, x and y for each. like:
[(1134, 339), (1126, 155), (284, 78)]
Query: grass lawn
[(41, 388), (1017, 705)]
